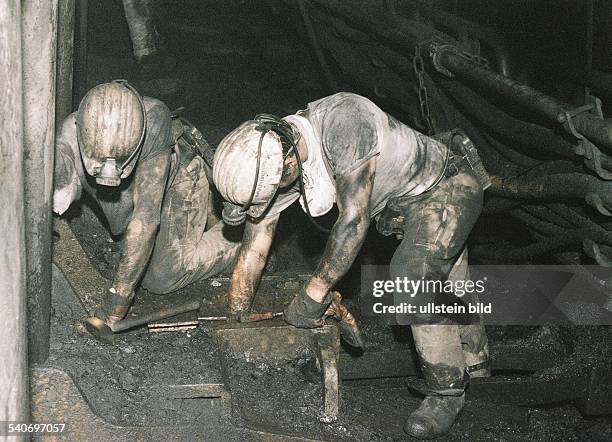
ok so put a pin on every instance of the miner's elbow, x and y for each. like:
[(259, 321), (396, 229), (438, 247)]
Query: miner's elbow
[(355, 224), (142, 230)]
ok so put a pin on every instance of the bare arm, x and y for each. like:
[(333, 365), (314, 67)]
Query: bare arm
[(254, 250), (353, 196), (66, 182), (149, 182)]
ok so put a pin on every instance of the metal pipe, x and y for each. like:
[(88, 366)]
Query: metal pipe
[(548, 108), (13, 343), (39, 32)]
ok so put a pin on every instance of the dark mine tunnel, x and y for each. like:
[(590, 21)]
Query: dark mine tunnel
[(250, 220)]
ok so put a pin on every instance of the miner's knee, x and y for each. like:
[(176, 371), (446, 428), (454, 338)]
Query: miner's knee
[(161, 280), (416, 262)]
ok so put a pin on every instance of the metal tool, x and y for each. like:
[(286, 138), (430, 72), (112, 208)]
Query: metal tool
[(347, 324), (189, 325), (104, 332)]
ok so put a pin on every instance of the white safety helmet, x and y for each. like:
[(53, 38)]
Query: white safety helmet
[(111, 127), (247, 169)]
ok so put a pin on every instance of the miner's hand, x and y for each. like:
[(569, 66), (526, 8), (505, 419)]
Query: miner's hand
[(114, 307), (305, 312)]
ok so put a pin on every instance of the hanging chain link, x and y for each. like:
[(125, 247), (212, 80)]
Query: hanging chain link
[(419, 69)]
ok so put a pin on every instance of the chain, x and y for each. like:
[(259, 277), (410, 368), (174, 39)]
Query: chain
[(419, 69)]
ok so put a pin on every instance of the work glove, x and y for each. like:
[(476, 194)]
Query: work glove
[(305, 312), (114, 307)]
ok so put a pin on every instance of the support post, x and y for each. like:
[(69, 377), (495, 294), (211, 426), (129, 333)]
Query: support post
[(65, 51), (39, 32), (13, 343), (80, 51)]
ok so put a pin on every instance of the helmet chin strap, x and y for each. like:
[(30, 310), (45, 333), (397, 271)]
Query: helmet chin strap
[(285, 131)]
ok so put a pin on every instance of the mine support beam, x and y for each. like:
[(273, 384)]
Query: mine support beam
[(13, 344), (553, 111), (65, 51), (139, 16), (79, 71), (39, 32)]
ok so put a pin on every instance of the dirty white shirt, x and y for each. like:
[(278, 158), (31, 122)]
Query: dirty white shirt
[(345, 131)]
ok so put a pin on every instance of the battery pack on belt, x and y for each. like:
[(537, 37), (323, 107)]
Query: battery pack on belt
[(461, 145)]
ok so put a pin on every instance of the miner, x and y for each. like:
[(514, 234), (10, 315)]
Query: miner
[(148, 175), (344, 150)]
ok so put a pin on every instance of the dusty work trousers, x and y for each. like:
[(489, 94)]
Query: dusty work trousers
[(186, 248), (433, 247)]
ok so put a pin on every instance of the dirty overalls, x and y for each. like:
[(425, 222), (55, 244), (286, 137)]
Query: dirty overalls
[(345, 130), (435, 228), (192, 243)]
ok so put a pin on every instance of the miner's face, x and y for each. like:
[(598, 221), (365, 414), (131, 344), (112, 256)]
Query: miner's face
[(290, 170)]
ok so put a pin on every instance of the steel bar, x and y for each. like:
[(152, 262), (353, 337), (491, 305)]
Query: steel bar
[(547, 108), (173, 324), (164, 313), (39, 37)]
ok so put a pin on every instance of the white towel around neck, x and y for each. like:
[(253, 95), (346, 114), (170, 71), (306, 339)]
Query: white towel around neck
[(319, 187)]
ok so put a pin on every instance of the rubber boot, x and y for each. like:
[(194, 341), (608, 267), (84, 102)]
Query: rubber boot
[(443, 367)]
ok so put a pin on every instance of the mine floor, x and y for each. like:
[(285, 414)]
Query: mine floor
[(180, 385)]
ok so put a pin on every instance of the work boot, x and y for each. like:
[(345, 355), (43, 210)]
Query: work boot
[(443, 366), (434, 417)]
